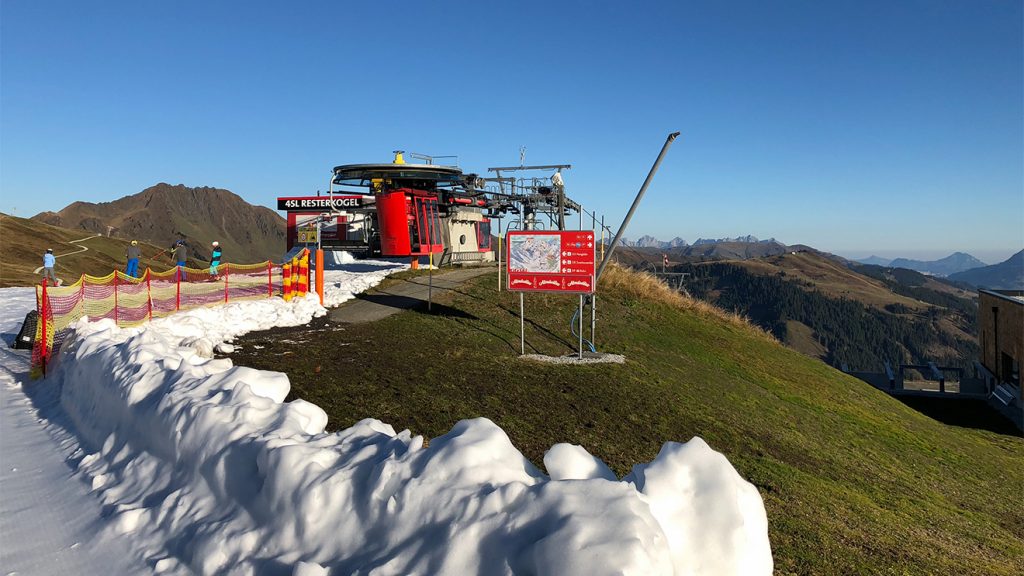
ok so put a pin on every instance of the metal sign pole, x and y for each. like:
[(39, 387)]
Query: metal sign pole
[(581, 326), (499, 254), (522, 327), (593, 316)]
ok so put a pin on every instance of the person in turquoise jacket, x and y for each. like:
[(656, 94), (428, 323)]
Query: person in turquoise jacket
[(215, 259)]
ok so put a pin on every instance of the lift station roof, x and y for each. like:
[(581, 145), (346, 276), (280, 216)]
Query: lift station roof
[(424, 175)]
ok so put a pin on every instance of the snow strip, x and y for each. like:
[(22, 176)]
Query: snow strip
[(49, 521), (203, 468)]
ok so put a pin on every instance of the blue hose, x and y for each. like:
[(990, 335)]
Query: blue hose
[(572, 327)]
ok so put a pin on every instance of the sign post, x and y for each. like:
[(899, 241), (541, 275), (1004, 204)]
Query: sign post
[(550, 261), (581, 326), (522, 326)]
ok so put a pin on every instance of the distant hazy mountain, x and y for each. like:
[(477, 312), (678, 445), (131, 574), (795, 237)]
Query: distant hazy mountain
[(677, 242), (1007, 275), (652, 242), (956, 262), (738, 240), (164, 213), (874, 260), (732, 250)]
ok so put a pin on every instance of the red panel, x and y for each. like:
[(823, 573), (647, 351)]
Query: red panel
[(292, 234), (551, 261), (393, 219)]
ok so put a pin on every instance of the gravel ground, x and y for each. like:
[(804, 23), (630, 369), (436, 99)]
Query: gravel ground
[(588, 358)]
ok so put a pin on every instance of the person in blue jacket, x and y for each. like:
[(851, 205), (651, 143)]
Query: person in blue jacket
[(215, 259), (49, 261)]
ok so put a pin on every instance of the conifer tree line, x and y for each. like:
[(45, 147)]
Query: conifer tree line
[(862, 337)]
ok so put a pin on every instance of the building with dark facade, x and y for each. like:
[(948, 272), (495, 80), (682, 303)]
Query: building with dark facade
[(1001, 336)]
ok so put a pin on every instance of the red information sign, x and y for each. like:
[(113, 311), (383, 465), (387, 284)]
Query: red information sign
[(551, 261)]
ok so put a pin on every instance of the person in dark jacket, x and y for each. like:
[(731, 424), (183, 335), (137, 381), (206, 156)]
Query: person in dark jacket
[(180, 256), (215, 259), (133, 254)]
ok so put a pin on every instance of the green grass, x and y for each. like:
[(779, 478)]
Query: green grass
[(853, 481)]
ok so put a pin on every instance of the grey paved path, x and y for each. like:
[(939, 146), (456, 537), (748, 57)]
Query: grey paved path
[(378, 304)]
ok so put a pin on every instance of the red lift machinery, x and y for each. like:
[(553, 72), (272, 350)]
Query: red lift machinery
[(411, 210), (397, 210)]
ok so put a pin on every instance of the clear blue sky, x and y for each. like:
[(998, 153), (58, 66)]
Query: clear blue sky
[(856, 127)]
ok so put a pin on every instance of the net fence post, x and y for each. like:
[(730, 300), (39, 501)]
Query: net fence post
[(115, 297), (42, 318)]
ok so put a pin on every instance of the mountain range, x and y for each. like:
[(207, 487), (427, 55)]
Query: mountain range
[(652, 242), (955, 262), (677, 242), (163, 214), (1006, 275), (874, 260)]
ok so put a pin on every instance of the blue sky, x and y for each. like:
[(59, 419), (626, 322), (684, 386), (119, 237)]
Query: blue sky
[(857, 127)]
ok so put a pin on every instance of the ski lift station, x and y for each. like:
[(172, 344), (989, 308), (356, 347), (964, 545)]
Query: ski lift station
[(405, 209)]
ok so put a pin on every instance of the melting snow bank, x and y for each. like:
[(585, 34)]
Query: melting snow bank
[(204, 468)]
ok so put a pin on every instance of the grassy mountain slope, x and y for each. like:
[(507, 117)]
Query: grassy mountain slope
[(831, 278), (163, 213), (23, 241), (859, 315), (853, 481)]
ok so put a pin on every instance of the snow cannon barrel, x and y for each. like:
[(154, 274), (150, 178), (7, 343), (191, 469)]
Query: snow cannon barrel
[(303, 273), (286, 281)]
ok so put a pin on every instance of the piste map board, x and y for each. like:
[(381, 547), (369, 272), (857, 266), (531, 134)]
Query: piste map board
[(551, 261)]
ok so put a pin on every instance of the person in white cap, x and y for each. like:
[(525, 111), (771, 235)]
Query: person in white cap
[(215, 259), (49, 261)]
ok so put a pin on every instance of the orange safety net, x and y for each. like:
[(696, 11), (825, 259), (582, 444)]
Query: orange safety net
[(132, 301)]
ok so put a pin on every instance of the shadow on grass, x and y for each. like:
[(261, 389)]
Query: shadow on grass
[(963, 413), (415, 304)]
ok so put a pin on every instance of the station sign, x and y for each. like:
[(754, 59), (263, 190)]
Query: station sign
[(551, 261), (319, 203)]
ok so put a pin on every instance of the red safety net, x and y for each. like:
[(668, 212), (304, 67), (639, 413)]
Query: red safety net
[(132, 301)]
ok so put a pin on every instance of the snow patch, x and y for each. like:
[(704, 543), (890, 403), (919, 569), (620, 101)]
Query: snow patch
[(204, 468)]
